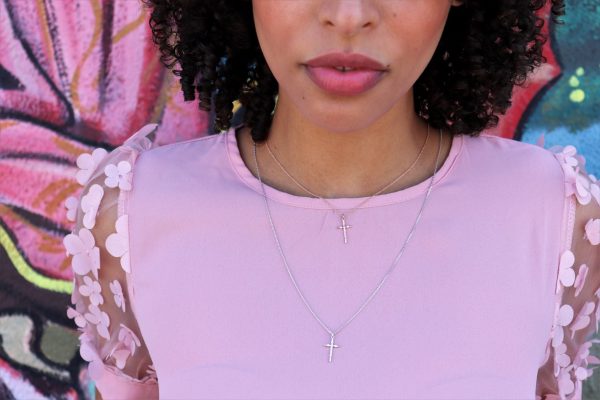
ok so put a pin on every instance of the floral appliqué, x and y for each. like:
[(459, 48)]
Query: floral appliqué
[(592, 231), (87, 163), (106, 348), (91, 289), (117, 244), (89, 205), (578, 182), (571, 370), (117, 291), (86, 255), (127, 343), (118, 175), (71, 204)]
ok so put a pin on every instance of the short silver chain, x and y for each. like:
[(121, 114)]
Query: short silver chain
[(362, 202), (390, 270)]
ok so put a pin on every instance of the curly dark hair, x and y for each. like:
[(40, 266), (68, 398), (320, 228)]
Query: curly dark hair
[(487, 48)]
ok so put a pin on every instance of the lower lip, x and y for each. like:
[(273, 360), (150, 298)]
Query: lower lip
[(344, 83)]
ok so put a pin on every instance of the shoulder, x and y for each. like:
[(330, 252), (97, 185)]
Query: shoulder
[(506, 150), (142, 153), (527, 165), (192, 148)]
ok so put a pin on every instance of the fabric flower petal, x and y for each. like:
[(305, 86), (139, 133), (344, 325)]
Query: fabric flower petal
[(580, 280), (592, 231), (77, 315), (567, 274), (565, 315), (120, 357), (582, 188), (117, 290), (71, 204), (561, 357), (90, 203), (118, 175), (117, 244), (112, 176), (73, 244), (583, 317), (129, 338), (87, 163), (565, 383)]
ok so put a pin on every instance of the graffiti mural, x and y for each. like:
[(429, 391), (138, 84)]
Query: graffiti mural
[(74, 75), (80, 74)]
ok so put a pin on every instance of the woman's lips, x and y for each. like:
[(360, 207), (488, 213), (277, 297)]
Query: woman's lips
[(344, 83)]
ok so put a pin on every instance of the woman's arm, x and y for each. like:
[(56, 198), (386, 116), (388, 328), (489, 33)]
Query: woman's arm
[(110, 338), (577, 309)]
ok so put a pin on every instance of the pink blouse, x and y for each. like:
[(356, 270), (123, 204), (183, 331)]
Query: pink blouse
[(180, 291)]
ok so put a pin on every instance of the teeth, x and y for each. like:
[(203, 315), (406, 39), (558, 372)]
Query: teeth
[(344, 69)]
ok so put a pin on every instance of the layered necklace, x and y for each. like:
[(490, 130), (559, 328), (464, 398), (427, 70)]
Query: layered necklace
[(344, 215), (331, 345)]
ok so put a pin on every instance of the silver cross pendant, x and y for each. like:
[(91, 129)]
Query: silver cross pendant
[(344, 228), (331, 346)]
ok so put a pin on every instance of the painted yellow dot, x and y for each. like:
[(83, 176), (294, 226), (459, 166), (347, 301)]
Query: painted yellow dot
[(577, 96), (236, 105), (573, 82), (580, 71)]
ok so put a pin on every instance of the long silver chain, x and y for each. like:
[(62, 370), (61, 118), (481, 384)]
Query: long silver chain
[(345, 214), (331, 345)]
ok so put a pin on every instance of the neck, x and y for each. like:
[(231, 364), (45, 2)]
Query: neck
[(348, 161)]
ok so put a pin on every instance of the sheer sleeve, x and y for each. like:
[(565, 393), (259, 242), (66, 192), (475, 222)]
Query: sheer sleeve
[(109, 336), (577, 308)]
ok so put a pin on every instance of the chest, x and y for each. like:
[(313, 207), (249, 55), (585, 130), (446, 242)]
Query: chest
[(465, 310)]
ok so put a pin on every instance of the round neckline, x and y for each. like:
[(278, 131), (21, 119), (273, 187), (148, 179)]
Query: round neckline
[(405, 194)]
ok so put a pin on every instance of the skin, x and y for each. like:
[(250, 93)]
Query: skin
[(347, 146)]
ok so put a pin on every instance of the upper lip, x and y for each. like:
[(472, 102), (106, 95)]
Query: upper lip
[(351, 60)]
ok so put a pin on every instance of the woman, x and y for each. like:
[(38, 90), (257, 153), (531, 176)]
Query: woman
[(356, 236)]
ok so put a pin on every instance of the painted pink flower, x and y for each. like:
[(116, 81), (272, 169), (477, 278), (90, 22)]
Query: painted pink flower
[(86, 255), (91, 288), (100, 319), (118, 175), (90, 203), (115, 288), (592, 231), (65, 110), (87, 163), (117, 244)]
